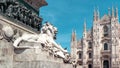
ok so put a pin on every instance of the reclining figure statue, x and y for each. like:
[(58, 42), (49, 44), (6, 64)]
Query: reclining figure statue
[(45, 38)]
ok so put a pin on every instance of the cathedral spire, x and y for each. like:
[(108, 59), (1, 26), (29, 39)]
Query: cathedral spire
[(73, 35), (113, 12), (85, 30), (98, 15), (109, 14), (95, 15), (84, 25), (116, 13)]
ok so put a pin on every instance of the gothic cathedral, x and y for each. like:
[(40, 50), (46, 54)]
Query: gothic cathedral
[(100, 46)]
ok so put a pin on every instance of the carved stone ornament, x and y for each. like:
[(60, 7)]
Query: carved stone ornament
[(8, 31), (15, 10), (1, 36)]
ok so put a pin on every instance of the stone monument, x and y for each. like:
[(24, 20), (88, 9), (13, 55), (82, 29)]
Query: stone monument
[(24, 41)]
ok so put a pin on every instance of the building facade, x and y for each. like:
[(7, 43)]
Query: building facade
[(100, 46)]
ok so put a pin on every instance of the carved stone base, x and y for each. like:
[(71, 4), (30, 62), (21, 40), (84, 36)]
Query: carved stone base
[(35, 57)]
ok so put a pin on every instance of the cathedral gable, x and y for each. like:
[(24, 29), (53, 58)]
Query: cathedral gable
[(105, 19)]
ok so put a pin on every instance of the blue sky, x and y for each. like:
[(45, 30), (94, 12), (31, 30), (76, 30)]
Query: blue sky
[(68, 15)]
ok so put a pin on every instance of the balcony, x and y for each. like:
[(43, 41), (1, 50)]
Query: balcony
[(105, 38), (89, 49), (79, 47), (80, 61), (105, 52), (89, 60)]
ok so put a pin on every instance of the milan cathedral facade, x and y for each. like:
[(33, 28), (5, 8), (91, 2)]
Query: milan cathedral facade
[(100, 46)]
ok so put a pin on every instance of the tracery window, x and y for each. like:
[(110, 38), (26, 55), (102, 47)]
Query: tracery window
[(105, 28), (105, 46), (90, 45), (80, 55), (90, 55)]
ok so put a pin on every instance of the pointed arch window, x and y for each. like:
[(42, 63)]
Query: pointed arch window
[(80, 56), (105, 46), (90, 45), (90, 55), (106, 64), (90, 66), (105, 28)]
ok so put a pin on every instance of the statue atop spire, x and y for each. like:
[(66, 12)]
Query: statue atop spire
[(116, 13), (85, 30), (109, 14), (73, 35), (96, 14), (113, 12), (84, 25)]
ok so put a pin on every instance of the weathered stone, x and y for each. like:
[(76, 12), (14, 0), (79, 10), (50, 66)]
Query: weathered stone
[(20, 12), (36, 57)]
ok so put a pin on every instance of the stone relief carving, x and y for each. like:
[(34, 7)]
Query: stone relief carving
[(19, 12), (1, 35), (46, 39), (6, 32), (17, 33)]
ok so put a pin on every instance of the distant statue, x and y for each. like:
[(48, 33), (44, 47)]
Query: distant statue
[(15, 10), (74, 64), (9, 11), (46, 37), (3, 5)]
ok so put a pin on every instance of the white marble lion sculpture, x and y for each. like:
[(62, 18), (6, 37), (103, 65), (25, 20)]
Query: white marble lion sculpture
[(46, 37)]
